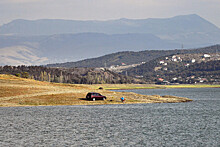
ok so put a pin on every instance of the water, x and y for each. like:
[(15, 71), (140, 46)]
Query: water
[(194, 123)]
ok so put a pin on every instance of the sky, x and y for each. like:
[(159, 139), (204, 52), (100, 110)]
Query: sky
[(107, 9)]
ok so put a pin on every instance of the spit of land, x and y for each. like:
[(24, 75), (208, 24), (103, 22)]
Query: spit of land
[(15, 91)]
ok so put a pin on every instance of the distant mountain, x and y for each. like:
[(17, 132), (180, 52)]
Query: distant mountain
[(186, 29), (88, 45), (182, 24), (20, 55), (73, 47), (71, 40), (130, 57)]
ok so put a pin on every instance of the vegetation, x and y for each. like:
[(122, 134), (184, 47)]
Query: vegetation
[(68, 75)]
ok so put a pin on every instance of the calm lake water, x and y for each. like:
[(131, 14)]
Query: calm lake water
[(194, 123)]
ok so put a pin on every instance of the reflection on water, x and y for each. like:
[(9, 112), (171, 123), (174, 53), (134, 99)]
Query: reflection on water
[(194, 123)]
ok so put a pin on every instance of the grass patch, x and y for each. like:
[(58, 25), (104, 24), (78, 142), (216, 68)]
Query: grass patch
[(127, 88)]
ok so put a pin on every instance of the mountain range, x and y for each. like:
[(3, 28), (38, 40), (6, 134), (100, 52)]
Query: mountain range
[(37, 42)]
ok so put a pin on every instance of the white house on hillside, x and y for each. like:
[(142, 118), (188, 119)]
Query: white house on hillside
[(206, 56)]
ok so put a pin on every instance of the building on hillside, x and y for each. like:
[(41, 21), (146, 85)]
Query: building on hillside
[(165, 68), (123, 63), (160, 79), (187, 65), (165, 82), (161, 62), (206, 56), (174, 59), (175, 79), (139, 76), (112, 67)]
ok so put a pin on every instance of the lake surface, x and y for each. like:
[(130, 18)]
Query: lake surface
[(194, 123)]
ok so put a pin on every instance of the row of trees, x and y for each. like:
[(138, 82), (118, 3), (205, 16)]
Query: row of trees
[(67, 75)]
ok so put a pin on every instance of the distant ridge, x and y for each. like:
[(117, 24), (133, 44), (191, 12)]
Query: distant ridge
[(73, 40), (130, 57), (157, 26)]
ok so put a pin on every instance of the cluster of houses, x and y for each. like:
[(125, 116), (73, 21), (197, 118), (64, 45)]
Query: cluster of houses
[(189, 80), (186, 60), (190, 59), (164, 65)]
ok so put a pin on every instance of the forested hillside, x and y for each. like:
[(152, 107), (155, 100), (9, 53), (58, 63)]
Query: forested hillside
[(180, 68), (70, 75), (129, 57)]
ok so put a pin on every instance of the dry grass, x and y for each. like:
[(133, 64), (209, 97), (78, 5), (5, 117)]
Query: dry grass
[(6, 91), (150, 86), (126, 86), (16, 91)]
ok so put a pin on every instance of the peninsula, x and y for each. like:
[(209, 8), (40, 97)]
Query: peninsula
[(16, 91)]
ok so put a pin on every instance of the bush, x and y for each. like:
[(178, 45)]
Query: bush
[(24, 75), (18, 75)]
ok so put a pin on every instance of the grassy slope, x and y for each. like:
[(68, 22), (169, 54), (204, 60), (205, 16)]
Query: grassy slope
[(16, 91)]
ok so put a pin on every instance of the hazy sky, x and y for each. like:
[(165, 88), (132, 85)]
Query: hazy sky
[(107, 9)]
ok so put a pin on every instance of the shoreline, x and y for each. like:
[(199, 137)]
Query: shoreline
[(142, 99), (130, 87), (90, 104), (19, 92), (184, 100)]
